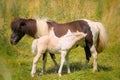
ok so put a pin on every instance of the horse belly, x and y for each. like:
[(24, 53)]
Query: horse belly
[(81, 42)]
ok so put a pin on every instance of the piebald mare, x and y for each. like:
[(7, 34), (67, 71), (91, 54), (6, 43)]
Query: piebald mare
[(95, 40), (21, 26)]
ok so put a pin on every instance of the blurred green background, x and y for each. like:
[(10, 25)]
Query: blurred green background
[(16, 61)]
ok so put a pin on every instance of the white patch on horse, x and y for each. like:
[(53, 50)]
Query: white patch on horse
[(94, 29), (99, 33), (42, 27)]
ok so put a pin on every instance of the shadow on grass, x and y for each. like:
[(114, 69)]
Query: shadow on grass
[(77, 66), (101, 67), (104, 68)]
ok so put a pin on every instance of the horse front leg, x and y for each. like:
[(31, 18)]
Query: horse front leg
[(44, 60)]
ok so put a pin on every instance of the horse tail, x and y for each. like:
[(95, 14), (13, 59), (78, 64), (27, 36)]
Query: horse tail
[(102, 38), (34, 46)]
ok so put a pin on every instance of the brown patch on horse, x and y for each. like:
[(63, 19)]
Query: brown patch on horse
[(79, 25)]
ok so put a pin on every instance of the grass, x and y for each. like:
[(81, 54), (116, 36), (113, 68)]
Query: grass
[(16, 61)]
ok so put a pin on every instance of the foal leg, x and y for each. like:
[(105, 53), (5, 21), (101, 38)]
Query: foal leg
[(35, 60), (53, 58), (68, 63), (63, 54), (94, 54), (88, 55)]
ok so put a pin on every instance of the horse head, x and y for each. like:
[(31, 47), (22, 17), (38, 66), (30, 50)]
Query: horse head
[(20, 27), (17, 27)]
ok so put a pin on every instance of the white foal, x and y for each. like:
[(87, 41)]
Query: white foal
[(54, 44)]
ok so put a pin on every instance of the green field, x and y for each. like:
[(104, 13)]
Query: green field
[(16, 60)]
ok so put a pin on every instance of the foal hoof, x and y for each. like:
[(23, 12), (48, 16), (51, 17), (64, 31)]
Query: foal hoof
[(32, 75), (69, 72), (59, 74), (96, 70)]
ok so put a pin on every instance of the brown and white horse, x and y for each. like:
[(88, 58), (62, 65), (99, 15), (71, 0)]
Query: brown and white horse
[(95, 40), (21, 26)]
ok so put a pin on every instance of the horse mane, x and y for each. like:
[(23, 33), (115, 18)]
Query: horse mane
[(42, 27), (31, 27)]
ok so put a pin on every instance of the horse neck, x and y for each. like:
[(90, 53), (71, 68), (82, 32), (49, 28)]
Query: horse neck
[(31, 28)]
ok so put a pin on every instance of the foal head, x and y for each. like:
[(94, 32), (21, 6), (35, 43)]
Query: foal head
[(20, 27)]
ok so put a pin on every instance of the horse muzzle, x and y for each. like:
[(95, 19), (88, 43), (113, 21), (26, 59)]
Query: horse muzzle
[(13, 42)]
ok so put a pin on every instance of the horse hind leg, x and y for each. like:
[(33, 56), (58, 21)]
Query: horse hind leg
[(53, 58), (88, 55), (94, 54), (44, 60)]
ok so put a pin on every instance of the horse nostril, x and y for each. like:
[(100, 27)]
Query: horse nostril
[(12, 41)]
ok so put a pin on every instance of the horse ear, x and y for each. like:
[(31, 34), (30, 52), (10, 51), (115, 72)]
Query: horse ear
[(22, 25)]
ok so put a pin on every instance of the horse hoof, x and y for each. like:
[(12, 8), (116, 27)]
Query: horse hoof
[(40, 74), (56, 70), (84, 67)]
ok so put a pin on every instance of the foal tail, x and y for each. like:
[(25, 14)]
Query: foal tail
[(34, 46), (102, 38)]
